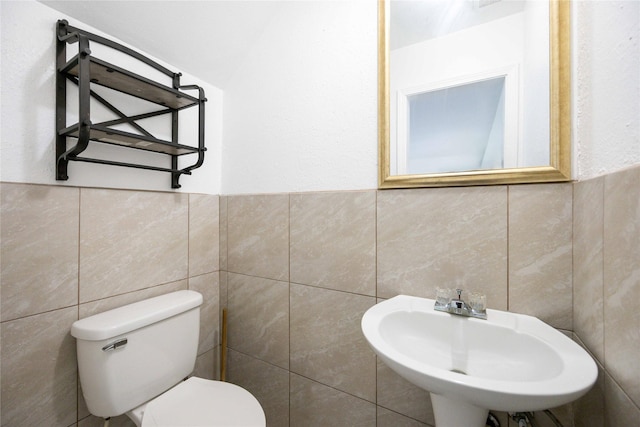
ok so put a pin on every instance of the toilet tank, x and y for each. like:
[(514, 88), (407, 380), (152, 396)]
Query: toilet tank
[(129, 355)]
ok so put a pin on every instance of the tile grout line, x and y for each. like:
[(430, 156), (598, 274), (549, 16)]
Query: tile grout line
[(77, 376), (289, 314), (375, 292), (508, 243)]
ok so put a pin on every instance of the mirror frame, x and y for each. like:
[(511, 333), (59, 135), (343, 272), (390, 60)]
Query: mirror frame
[(559, 168)]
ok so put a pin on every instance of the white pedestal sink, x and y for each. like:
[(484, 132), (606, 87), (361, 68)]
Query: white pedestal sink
[(509, 362)]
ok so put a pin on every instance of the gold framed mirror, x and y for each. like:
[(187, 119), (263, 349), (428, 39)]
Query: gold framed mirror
[(412, 103)]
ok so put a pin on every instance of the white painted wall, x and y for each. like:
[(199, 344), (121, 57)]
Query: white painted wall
[(606, 75), (285, 118), (301, 114), (27, 148)]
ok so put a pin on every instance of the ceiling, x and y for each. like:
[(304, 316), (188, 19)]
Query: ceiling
[(207, 39), (415, 21), (210, 38)]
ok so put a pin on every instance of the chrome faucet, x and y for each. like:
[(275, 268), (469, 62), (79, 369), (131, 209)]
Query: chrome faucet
[(458, 306), (475, 308)]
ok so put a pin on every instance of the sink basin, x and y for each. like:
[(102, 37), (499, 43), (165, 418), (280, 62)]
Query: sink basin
[(509, 362)]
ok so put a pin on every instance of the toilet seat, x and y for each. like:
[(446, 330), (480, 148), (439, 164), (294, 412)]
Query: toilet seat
[(197, 402)]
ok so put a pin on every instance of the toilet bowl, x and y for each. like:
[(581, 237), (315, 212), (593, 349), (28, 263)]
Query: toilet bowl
[(134, 359), (200, 402)]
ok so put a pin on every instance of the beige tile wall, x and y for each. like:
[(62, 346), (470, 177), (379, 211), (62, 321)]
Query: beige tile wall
[(296, 272), (607, 292), (294, 333), (68, 253), (540, 252), (455, 237)]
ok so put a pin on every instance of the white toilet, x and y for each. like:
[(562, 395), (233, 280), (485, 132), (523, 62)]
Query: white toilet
[(134, 360)]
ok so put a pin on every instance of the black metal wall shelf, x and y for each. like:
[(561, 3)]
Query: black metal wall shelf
[(125, 139), (111, 76), (85, 70)]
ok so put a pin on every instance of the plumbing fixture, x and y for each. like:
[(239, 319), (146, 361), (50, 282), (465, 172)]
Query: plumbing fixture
[(492, 420), (477, 306), (512, 362), (554, 419), (526, 419)]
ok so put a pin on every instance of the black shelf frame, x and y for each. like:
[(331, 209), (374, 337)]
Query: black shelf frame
[(85, 70)]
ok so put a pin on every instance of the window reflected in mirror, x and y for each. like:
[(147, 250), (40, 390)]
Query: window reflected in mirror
[(457, 128)]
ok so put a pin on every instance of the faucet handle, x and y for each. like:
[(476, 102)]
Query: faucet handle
[(443, 296), (478, 302), (459, 291)]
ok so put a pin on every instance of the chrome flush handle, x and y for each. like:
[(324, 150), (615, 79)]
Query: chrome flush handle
[(116, 344)]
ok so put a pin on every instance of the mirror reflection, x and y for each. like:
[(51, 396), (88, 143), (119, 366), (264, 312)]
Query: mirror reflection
[(455, 128), (469, 87)]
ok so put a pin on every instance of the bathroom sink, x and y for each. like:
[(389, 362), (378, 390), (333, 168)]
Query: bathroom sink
[(509, 362)]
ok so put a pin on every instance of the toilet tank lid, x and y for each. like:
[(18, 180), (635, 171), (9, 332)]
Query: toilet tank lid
[(130, 317)]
